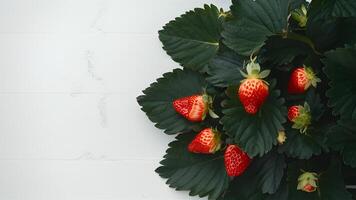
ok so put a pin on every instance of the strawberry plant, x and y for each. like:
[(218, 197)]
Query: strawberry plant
[(264, 104)]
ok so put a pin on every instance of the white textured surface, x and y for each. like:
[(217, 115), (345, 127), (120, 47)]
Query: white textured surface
[(70, 70)]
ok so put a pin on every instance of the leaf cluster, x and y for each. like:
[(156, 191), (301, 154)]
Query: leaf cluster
[(213, 46)]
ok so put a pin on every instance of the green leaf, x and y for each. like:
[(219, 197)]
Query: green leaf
[(255, 134), (243, 187), (294, 4), (303, 146), (269, 171), (158, 99), (281, 194), (202, 175), (254, 21), (314, 102), (323, 26), (281, 51), (332, 8), (332, 186), (347, 28), (263, 176), (342, 137), (193, 38), (340, 69), (224, 69), (323, 33), (293, 194)]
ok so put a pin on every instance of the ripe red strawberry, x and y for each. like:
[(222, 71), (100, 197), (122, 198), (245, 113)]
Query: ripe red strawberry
[(207, 142), (194, 108), (301, 79), (309, 188), (300, 116), (253, 91), (293, 112), (236, 161)]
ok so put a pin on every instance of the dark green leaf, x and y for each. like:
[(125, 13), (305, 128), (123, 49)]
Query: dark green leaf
[(324, 28), (281, 194), (224, 69), (158, 98), (193, 39), (341, 70), (294, 4), (202, 175), (332, 8), (263, 176), (293, 194), (316, 107), (255, 134), (269, 171), (332, 186), (347, 30), (323, 33), (254, 21), (303, 146), (342, 137), (281, 51), (244, 187)]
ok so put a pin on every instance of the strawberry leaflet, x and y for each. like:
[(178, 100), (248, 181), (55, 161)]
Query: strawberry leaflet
[(255, 21), (193, 38), (303, 146), (342, 138), (283, 34), (255, 134), (263, 177), (331, 184), (224, 69), (157, 100), (202, 175), (341, 69)]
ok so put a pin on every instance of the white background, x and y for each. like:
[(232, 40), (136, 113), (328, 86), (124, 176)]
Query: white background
[(70, 70)]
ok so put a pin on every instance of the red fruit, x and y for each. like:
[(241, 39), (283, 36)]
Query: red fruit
[(236, 161), (253, 91), (293, 113), (300, 116), (207, 141), (194, 108), (309, 188), (301, 79)]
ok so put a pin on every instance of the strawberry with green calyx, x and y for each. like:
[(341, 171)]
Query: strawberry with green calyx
[(307, 182), (194, 108), (300, 16), (301, 79), (253, 91), (236, 160), (208, 141), (300, 116)]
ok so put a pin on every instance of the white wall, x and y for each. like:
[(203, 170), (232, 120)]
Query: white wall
[(70, 70)]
